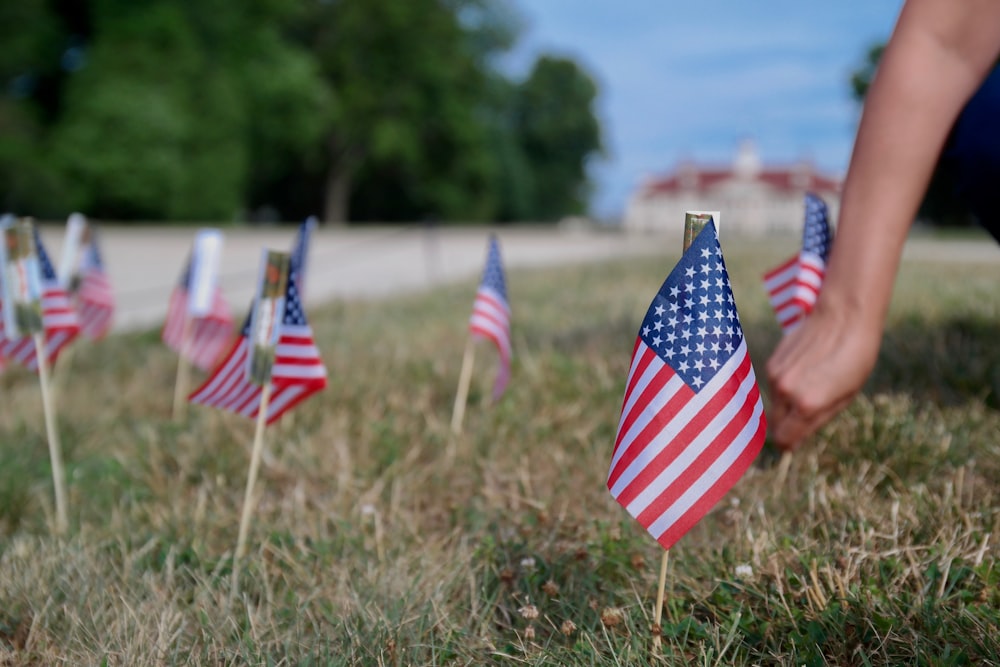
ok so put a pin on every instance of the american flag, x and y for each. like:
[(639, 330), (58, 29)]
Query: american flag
[(95, 298), (793, 286), (59, 319), (298, 370), (301, 247), (491, 314), (692, 418), (209, 335)]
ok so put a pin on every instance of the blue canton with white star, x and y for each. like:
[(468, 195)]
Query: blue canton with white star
[(48, 273), (493, 273), (692, 323), (816, 235)]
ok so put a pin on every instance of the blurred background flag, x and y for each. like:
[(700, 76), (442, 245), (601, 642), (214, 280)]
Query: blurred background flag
[(793, 286), (59, 320), (300, 252), (210, 334), (297, 373), (491, 314), (692, 418), (95, 298)]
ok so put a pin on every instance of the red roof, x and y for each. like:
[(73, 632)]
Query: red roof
[(790, 180)]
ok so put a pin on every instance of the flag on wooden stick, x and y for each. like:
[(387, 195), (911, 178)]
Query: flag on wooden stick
[(59, 320), (297, 372), (793, 286), (692, 418), (491, 314), (210, 334), (95, 298)]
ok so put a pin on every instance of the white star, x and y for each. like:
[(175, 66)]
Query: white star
[(704, 300), (645, 331), (714, 347), (697, 382), (672, 322), (686, 334), (685, 350), (706, 284), (658, 325), (674, 307), (683, 367), (671, 337), (700, 348), (729, 346), (658, 310), (706, 268), (698, 365), (657, 341), (719, 298), (688, 319), (719, 283), (706, 253), (689, 272), (674, 290), (713, 362), (669, 353)]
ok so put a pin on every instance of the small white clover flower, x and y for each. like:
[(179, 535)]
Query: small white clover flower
[(528, 563), (744, 571)]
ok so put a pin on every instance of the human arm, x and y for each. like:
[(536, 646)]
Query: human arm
[(938, 54)]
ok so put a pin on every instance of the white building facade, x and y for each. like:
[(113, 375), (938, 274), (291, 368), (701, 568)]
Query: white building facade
[(752, 198)]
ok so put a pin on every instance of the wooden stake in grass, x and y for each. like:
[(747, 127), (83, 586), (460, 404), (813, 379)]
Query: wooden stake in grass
[(265, 329), (52, 433), (464, 380), (183, 371), (21, 281), (694, 222)]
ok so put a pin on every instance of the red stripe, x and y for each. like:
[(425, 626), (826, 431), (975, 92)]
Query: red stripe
[(694, 425), (722, 442), (701, 507)]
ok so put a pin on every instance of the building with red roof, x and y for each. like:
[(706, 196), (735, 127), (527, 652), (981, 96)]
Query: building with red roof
[(752, 198)]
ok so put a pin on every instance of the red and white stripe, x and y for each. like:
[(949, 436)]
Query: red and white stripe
[(209, 335), (95, 303), (297, 373), (678, 451), (60, 324), (491, 320), (793, 287)]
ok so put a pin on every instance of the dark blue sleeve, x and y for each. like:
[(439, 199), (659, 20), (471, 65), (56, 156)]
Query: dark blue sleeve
[(973, 154)]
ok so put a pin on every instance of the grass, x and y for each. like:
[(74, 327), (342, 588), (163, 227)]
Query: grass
[(371, 546)]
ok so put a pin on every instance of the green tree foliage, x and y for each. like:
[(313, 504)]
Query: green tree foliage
[(211, 110), (557, 132)]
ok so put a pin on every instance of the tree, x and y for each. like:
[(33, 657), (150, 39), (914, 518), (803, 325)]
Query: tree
[(558, 133)]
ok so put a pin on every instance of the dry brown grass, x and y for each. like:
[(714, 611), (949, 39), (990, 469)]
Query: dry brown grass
[(371, 547)]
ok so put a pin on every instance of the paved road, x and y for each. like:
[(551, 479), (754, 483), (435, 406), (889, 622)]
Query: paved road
[(144, 263)]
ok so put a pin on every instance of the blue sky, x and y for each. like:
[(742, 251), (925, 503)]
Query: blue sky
[(688, 80)]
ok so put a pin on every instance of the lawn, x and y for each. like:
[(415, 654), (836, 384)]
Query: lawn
[(380, 540)]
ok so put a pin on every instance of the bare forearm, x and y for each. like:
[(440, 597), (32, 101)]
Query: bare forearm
[(938, 55)]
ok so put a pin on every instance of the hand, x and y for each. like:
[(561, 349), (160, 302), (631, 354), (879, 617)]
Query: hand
[(817, 370)]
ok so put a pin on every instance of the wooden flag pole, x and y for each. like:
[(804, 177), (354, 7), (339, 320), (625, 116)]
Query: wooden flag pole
[(258, 447), (464, 379), (661, 587), (58, 478), (183, 370)]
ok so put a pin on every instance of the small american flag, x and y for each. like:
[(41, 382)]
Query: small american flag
[(692, 418), (298, 370), (300, 251), (210, 335), (95, 298), (59, 319), (793, 286), (491, 314)]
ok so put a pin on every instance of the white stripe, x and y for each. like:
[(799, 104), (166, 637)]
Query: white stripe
[(691, 450), (650, 409), (687, 500), (677, 422)]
